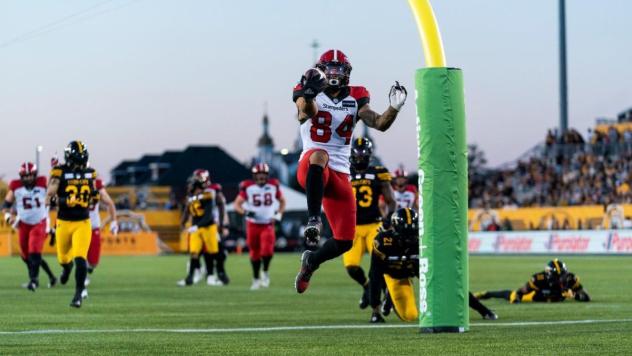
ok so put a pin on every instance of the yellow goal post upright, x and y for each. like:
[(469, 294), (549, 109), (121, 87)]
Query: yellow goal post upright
[(442, 167)]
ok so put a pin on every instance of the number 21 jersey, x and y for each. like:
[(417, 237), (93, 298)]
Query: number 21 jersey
[(76, 188), (332, 126)]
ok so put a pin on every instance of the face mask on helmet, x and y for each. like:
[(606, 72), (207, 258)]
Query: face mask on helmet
[(337, 74), (76, 155), (260, 178), (405, 222), (28, 179), (360, 159)]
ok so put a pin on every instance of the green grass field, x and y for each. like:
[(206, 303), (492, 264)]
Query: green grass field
[(140, 293)]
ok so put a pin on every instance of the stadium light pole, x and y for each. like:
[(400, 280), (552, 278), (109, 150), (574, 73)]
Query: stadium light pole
[(38, 153), (563, 79), (442, 167)]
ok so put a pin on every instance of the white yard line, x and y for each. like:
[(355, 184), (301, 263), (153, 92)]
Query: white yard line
[(294, 328)]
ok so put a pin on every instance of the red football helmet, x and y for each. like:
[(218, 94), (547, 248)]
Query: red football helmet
[(336, 67), (260, 168), (201, 176), (400, 173), (28, 168)]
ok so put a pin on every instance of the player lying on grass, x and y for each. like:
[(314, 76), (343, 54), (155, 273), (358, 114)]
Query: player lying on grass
[(554, 284), (395, 260)]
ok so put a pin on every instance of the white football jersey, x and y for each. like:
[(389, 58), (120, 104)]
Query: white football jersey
[(331, 129), (407, 198), (30, 204), (95, 217), (262, 200)]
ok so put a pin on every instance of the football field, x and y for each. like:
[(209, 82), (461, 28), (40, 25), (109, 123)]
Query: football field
[(135, 307)]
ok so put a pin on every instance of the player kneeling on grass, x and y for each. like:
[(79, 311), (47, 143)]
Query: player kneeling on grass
[(262, 202), (554, 284), (203, 230), (395, 260)]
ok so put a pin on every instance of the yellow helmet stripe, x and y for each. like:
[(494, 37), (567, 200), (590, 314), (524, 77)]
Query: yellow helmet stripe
[(409, 219), (80, 145), (557, 266), (359, 141)]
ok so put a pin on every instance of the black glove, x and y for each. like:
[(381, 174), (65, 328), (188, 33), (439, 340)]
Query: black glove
[(313, 82), (376, 318), (582, 296), (250, 214), (386, 223), (53, 237)]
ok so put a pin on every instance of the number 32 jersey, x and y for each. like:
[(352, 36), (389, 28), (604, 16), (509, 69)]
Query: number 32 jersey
[(30, 203), (332, 126), (75, 192), (262, 200)]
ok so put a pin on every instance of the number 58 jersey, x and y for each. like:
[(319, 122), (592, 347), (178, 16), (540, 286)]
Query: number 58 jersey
[(76, 188), (332, 126), (30, 203), (263, 200)]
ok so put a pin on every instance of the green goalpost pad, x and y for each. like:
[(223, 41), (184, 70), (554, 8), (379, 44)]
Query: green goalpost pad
[(443, 258)]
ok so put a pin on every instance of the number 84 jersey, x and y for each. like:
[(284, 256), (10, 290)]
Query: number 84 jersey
[(332, 127), (29, 203), (262, 200)]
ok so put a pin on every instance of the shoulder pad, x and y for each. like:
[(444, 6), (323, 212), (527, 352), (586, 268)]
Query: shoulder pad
[(40, 182), (15, 184), (358, 92)]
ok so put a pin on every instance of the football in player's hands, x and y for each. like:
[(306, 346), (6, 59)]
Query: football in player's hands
[(397, 96), (313, 82)]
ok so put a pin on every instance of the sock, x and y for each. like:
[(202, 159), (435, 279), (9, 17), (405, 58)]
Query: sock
[(504, 294), (478, 306), (34, 265), (209, 260), (331, 249), (357, 273), (256, 266), (314, 187), (193, 265), (221, 259), (80, 274), (266, 262), (47, 269)]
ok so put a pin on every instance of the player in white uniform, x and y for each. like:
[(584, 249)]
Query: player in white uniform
[(406, 194), (29, 194), (261, 201), (328, 109), (94, 253)]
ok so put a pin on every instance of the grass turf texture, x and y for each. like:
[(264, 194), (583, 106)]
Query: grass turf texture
[(140, 292)]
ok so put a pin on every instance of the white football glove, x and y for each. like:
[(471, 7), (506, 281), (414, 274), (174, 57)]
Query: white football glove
[(192, 229), (397, 96), (47, 224), (278, 216), (114, 228), (7, 218)]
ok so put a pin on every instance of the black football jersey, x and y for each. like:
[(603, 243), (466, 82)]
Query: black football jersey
[(397, 258), (552, 288), (367, 189), (201, 208), (75, 193)]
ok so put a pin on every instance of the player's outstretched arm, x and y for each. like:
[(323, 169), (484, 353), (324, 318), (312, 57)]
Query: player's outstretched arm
[(6, 207), (397, 98), (389, 198), (311, 84), (51, 191), (111, 208), (221, 208)]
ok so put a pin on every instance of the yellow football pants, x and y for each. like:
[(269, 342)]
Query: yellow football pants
[(403, 296), (362, 242), (526, 298), (204, 237), (73, 239)]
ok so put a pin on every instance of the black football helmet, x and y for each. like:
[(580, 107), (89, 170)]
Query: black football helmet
[(76, 154), (361, 151), (556, 268), (405, 222)]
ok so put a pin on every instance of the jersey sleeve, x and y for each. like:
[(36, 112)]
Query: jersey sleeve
[(382, 174), (56, 172), (297, 92), (99, 184), (14, 184), (277, 185), (378, 247), (361, 95), (242, 189), (40, 182)]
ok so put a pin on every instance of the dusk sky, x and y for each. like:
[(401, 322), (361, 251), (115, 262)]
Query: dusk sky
[(131, 77)]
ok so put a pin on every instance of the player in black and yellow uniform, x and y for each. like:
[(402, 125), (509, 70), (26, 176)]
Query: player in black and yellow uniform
[(203, 230), (72, 187), (395, 261), (368, 183), (554, 284)]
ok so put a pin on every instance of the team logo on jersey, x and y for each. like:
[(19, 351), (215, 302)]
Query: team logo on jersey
[(69, 176), (348, 103)]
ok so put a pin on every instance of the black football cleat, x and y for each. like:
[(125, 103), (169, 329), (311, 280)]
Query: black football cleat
[(32, 286), (376, 318), (52, 282), (65, 275), (490, 316), (305, 274), (312, 230), (223, 277), (387, 305), (364, 300), (76, 300)]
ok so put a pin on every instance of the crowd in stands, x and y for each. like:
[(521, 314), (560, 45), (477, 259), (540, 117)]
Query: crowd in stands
[(568, 170)]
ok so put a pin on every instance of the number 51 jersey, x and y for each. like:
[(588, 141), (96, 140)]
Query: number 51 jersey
[(30, 203), (76, 188), (332, 126)]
